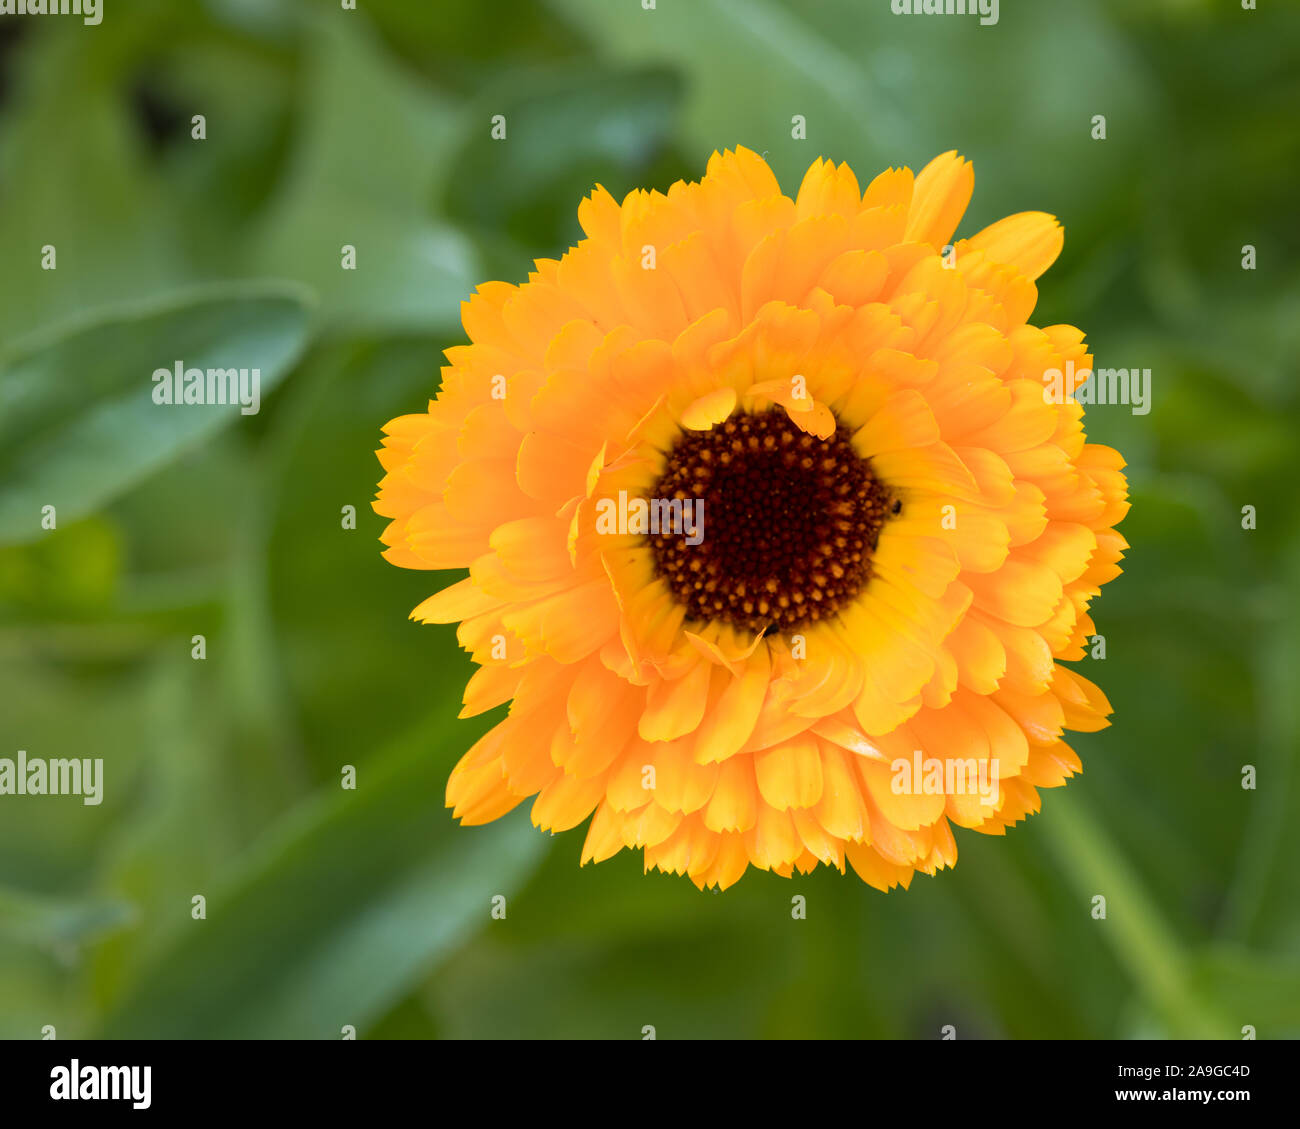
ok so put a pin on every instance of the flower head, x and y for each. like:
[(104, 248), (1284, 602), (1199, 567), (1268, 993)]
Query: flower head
[(776, 532)]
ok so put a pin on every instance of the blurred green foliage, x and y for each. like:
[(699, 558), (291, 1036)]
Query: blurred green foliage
[(328, 127)]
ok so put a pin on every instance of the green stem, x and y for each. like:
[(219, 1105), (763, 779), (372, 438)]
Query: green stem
[(1141, 939)]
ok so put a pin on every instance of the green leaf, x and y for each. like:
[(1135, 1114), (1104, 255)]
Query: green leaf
[(1152, 953), (334, 919), (751, 67), (877, 89), (373, 145), (58, 922), (566, 131), (1254, 989), (75, 181), (73, 571), (78, 421)]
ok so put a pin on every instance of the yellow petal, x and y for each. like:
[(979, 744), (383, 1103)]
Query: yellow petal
[(943, 190), (1028, 241), (708, 410), (790, 775)]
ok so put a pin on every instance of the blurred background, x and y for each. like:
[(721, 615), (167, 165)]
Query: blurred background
[(327, 127)]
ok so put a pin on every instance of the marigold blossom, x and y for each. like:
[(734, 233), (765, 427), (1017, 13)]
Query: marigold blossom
[(876, 533)]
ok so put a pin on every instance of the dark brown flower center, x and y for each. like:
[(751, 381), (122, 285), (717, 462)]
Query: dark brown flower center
[(788, 525)]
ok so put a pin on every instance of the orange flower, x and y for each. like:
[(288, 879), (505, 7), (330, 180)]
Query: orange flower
[(845, 637)]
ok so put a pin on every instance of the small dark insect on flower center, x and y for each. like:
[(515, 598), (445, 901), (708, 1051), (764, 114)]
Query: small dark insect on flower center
[(789, 523)]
